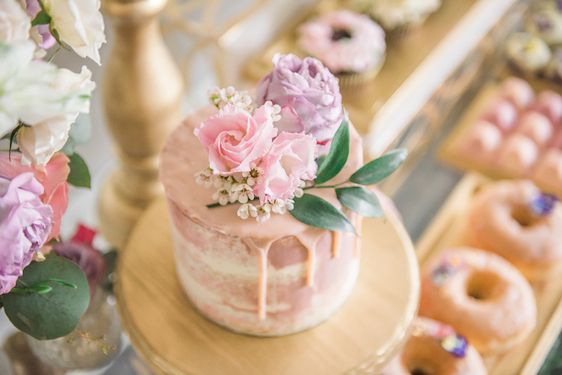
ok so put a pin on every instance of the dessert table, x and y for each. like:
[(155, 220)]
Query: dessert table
[(418, 193)]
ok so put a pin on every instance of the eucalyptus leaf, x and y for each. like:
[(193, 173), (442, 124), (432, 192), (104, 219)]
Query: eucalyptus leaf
[(79, 175), (54, 313), (42, 18), (360, 200), (380, 168), (336, 157), (317, 212)]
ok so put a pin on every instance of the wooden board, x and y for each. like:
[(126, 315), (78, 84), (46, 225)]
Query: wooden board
[(450, 152), (447, 230), (174, 339)]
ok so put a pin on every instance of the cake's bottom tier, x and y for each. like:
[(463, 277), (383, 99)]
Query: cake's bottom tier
[(284, 293)]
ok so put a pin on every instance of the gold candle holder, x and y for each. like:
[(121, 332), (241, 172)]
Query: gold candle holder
[(142, 90)]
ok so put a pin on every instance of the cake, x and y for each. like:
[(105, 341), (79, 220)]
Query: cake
[(258, 256)]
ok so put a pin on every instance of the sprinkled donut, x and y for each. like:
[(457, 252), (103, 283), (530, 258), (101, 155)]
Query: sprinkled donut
[(481, 296), (515, 220), (436, 349)]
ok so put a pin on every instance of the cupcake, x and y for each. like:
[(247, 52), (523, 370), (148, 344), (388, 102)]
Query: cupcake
[(527, 53), (400, 15), (351, 45), (546, 23)]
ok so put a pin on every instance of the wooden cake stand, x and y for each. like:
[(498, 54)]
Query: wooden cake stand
[(174, 339)]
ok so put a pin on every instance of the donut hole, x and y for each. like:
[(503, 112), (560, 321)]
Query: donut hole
[(339, 34), (524, 217), (483, 285), (420, 371)]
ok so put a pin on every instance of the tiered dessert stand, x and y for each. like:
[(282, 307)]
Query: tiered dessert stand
[(175, 339)]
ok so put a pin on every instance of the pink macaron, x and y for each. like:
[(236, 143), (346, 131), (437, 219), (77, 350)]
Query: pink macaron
[(518, 92), (536, 126), (502, 113), (549, 103)]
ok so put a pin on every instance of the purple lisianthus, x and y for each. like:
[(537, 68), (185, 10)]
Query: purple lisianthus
[(40, 33), (309, 96), (25, 224)]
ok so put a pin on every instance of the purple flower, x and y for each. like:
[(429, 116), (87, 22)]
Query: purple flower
[(40, 33), (25, 224), (86, 257), (309, 96), (544, 204)]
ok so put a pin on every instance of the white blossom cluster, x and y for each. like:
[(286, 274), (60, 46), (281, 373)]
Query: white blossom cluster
[(229, 96), (231, 189)]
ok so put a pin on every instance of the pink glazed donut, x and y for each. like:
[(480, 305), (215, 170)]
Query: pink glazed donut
[(549, 103), (435, 348), (515, 220), (481, 296), (518, 92)]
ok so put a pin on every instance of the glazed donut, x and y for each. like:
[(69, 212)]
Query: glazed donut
[(515, 220), (481, 296), (436, 349)]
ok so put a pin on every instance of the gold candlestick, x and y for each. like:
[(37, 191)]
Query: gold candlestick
[(142, 90)]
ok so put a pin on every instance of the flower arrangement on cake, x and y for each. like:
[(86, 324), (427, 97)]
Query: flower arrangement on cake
[(43, 295), (267, 154), (266, 196)]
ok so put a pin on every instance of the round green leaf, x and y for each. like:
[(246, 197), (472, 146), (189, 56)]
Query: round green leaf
[(317, 212), (360, 200), (333, 163), (51, 314), (380, 168)]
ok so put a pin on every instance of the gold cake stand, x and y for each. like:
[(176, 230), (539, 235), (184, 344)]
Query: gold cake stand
[(174, 339)]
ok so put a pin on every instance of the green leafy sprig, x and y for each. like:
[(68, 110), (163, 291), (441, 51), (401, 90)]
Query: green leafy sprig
[(351, 193)]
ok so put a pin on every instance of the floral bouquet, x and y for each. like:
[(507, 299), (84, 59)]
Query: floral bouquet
[(269, 154), (43, 294)]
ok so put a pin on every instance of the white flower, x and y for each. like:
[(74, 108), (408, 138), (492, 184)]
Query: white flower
[(39, 142), (205, 178), (79, 24), (278, 206), (242, 193), (38, 93), (264, 213), (14, 22), (222, 196), (229, 96), (247, 210)]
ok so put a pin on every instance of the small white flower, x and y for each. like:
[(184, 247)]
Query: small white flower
[(274, 110), (14, 22), (205, 178), (221, 196), (247, 210), (229, 97), (263, 212), (79, 24), (290, 204), (299, 192), (279, 207)]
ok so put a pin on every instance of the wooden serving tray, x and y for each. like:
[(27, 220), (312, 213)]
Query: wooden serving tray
[(174, 339), (447, 230), (450, 151)]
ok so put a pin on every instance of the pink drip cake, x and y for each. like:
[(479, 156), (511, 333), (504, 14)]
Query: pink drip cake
[(267, 279), (275, 248)]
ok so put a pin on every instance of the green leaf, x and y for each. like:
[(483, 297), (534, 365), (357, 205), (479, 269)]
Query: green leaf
[(320, 160), (53, 314), (337, 156), (42, 18), (317, 212), (360, 200), (380, 168), (79, 174)]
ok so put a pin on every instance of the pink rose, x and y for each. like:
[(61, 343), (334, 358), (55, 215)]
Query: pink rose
[(289, 161), (235, 139), (52, 176), (25, 223), (309, 96), (40, 33)]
